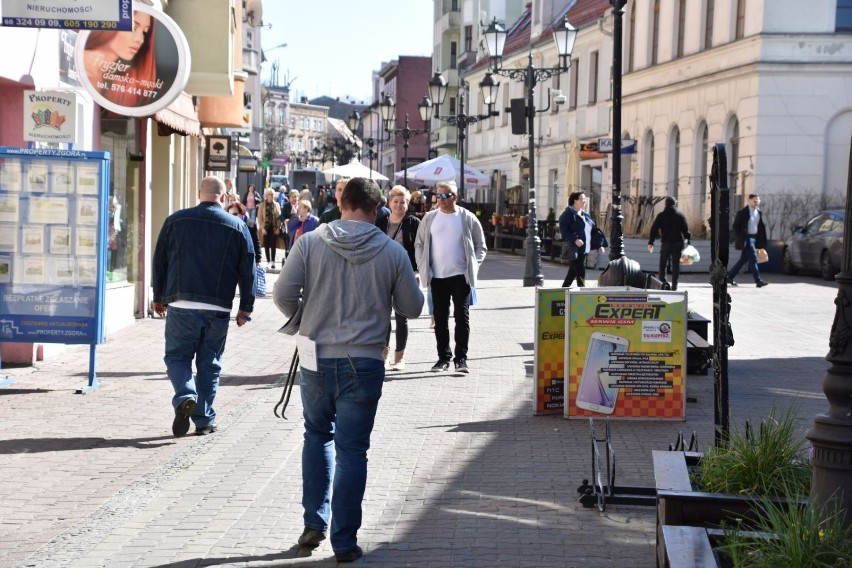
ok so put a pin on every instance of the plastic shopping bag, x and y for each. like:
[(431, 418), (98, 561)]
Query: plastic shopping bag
[(260, 281), (689, 255)]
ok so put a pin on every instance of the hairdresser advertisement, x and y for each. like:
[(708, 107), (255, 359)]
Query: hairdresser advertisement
[(135, 73)]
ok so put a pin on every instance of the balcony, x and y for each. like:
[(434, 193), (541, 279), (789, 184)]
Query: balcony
[(450, 20)]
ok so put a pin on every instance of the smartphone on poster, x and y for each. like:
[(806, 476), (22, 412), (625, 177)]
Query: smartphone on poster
[(595, 392)]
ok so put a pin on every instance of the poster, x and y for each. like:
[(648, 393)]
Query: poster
[(626, 354), (138, 72), (549, 359)]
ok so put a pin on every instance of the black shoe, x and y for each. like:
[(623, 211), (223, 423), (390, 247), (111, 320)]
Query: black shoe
[(180, 426), (761, 283), (273, 266), (204, 430), (461, 366), (311, 538), (349, 555), (441, 366), (732, 282)]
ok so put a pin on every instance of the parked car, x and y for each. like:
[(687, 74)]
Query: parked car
[(817, 246)]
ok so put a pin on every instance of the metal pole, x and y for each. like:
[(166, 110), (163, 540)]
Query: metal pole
[(532, 275), (405, 134), (617, 233), (831, 434), (462, 134)]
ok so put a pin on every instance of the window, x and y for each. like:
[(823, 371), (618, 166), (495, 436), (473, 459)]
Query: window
[(575, 73), (674, 162), (454, 54), (655, 32), (282, 114), (681, 26), (505, 115), (593, 77), (701, 157), (292, 123), (740, 30), (733, 155), (843, 23), (648, 188), (708, 24), (452, 106), (468, 38)]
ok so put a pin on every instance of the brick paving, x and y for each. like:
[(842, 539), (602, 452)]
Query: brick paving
[(461, 472)]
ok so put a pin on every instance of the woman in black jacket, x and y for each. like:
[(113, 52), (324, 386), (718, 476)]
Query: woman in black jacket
[(402, 227), (581, 236)]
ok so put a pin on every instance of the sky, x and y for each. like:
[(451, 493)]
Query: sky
[(333, 46)]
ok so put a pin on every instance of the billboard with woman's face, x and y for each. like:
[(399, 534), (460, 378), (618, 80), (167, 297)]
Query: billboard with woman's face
[(135, 73)]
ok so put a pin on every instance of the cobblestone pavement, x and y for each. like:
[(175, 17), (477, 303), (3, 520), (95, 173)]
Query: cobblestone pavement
[(461, 473)]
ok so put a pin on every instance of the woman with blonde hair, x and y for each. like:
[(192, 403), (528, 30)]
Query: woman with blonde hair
[(268, 227), (401, 226)]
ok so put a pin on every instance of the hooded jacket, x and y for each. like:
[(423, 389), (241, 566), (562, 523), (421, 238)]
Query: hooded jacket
[(349, 275)]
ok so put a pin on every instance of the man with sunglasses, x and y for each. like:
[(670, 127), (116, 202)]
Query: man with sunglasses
[(449, 248)]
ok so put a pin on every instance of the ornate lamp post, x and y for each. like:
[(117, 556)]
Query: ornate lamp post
[(438, 91), (564, 37), (388, 108), (356, 125)]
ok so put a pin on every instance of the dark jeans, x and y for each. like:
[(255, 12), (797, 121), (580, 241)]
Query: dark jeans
[(196, 335), (748, 255), (576, 269), (670, 252), (401, 332), (454, 288), (269, 239)]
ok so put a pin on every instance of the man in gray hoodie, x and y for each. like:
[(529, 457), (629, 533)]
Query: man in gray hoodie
[(348, 275)]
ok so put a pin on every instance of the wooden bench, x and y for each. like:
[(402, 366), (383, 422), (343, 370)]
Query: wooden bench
[(698, 353)]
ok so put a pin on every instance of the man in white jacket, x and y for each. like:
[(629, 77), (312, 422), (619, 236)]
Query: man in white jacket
[(449, 248), (349, 275)]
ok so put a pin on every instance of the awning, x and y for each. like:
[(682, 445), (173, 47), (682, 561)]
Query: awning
[(180, 116)]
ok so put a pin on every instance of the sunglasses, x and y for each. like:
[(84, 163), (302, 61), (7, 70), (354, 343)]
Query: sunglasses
[(444, 195)]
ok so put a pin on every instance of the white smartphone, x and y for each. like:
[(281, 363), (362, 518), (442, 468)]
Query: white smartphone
[(595, 392)]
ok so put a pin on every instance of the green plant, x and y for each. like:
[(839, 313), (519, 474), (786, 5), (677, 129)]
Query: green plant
[(795, 537), (771, 463)]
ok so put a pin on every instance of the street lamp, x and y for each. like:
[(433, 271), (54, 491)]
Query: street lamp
[(488, 89), (355, 123), (495, 39), (387, 108)]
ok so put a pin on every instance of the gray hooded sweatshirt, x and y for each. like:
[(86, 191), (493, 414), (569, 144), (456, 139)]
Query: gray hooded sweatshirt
[(349, 275)]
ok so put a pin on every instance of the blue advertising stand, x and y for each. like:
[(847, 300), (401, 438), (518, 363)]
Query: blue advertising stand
[(53, 244)]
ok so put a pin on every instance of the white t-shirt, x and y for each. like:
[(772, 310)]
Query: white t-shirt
[(446, 253)]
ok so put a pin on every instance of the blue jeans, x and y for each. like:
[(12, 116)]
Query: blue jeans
[(199, 335), (340, 401), (749, 255)]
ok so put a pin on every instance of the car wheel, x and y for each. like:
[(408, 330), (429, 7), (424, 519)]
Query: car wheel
[(826, 268), (787, 263)]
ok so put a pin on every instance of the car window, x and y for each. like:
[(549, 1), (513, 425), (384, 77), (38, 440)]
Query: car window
[(814, 224), (826, 226)]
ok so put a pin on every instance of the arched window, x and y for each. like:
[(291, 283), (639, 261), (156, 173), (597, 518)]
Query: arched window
[(702, 147), (733, 150), (674, 162), (648, 165)]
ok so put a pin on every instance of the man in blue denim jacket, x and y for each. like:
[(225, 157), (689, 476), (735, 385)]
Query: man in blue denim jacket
[(202, 255)]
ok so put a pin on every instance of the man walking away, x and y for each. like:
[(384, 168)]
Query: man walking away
[(202, 255), (674, 232), (344, 323), (750, 236), (449, 248)]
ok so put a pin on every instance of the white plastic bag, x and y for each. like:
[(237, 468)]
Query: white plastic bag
[(689, 255)]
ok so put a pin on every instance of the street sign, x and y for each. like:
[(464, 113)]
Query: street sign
[(627, 146), (116, 15)]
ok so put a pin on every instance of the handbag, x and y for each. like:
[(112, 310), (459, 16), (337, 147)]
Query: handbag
[(762, 256), (569, 252), (281, 242), (260, 281)]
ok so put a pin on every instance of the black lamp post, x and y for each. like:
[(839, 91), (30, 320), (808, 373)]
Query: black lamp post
[(388, 108), (437, 93), (564, 37), (356, 125)]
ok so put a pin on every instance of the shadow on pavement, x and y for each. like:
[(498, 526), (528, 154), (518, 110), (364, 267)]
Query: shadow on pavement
[(294, 552), (6, 391), (37, 445)]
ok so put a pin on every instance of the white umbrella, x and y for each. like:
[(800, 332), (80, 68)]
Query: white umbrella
[(355, 169), (443, 168)]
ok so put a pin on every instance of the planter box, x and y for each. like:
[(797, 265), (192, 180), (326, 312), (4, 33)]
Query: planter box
[(679, 505)]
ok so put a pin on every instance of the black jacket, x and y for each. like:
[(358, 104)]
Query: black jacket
[(572, 226), (410, 224), (741, 229), (671, 225)]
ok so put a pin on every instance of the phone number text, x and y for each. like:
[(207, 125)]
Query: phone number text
[(66, 24)]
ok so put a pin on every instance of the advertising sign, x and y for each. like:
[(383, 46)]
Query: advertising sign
[(217, 153), (68, 14), (605, 146), (549, 360), (50, 116), (626, 354), (135, 73), (52, 245)]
